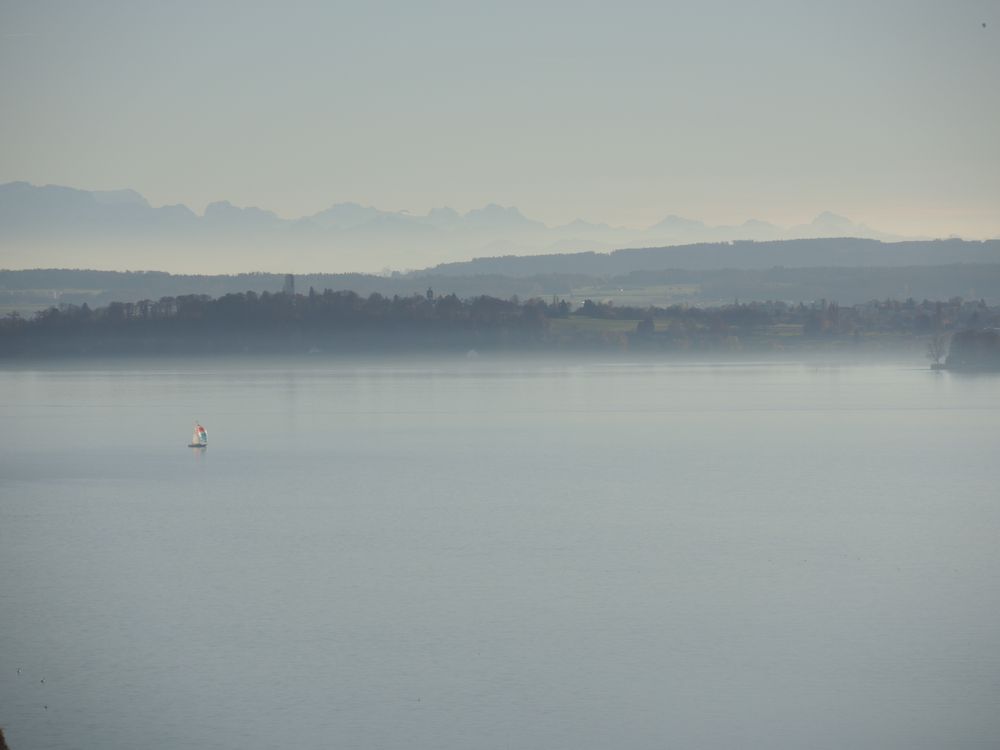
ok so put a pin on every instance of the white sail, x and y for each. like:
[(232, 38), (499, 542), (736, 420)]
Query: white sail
[(200, 437)]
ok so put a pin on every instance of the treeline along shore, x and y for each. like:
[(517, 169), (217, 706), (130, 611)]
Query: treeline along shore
[(344, 321)]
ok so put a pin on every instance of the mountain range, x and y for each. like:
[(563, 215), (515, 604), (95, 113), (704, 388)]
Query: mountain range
[(56, 226)]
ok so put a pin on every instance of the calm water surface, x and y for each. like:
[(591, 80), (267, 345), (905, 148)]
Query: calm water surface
[(497, 554)]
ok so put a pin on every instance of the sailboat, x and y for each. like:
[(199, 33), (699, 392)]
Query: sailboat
[(200, 438)]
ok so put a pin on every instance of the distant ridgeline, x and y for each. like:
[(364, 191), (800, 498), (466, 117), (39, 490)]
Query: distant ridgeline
[(975, 350), (348, 322), (842, 252)]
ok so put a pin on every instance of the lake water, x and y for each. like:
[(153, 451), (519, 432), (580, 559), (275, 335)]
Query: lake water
[(498, 554)]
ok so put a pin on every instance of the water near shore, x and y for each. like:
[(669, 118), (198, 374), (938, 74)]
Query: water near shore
[(498, 554)]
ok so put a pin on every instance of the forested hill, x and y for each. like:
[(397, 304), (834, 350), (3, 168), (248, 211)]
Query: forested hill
[(842, 252), (345, 322)]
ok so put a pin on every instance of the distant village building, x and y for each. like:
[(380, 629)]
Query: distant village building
[(289, 287)]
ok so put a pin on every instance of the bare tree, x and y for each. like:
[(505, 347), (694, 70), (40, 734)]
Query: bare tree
[(937, 347)]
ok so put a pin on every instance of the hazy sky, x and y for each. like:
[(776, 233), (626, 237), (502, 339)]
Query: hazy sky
[(888, 112)]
